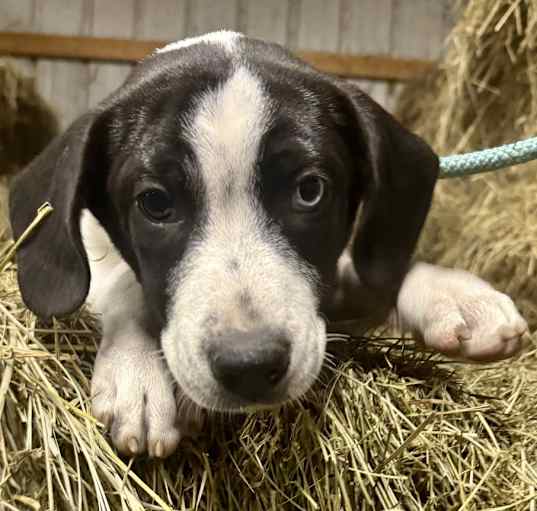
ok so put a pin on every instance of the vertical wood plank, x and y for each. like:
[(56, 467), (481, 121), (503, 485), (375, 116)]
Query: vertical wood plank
[(318, 26), (366, 29), (448, 18), (418, 31), (110, 19), (293, 20), (167, 22), (17, 16), (266, 20), (208, 15), (365, 26), (417, 28), (63, 83)]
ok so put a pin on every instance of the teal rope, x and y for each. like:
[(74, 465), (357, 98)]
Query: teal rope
[(489, 159)]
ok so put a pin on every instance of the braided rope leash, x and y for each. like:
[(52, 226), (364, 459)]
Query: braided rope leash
[(458, 165)]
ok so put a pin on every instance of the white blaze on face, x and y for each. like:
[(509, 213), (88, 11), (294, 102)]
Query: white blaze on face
[(240, 275), (226, 132), (224, 38)]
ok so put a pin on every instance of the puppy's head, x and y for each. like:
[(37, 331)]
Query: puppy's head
[(229, 174)]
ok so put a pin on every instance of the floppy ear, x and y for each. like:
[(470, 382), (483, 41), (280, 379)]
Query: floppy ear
[(400, 172), (53, 270)]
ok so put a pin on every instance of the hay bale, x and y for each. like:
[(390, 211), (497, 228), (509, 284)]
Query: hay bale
[(27, 124), (388, 427), (485, 89), (483, 94)]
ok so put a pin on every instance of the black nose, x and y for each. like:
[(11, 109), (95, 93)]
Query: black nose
[(249, 364)]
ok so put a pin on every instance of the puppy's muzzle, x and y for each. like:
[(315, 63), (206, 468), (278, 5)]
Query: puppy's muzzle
[(251, 364)]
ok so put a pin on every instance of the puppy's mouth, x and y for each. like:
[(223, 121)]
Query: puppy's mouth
[(219, 399), (222, 400)]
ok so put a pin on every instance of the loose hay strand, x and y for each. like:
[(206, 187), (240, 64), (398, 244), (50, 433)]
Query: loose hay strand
[(43, 211)]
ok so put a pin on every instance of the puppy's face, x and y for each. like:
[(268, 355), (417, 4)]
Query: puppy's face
[(235, 201), (228, 175)]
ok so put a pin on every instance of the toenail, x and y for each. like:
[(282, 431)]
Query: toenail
[(464, 334), (133, 445), (159, 449)]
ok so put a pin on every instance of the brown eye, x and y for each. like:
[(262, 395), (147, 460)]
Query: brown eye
[(309, 192), (156, 205)]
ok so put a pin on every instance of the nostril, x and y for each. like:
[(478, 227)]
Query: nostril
[(276, 366), (275, 376)]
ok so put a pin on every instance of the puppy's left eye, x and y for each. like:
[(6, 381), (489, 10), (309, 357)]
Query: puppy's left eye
[(309, 192), (156, 205)]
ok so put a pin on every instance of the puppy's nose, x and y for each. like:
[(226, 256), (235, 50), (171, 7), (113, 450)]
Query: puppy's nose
[(249, 364)]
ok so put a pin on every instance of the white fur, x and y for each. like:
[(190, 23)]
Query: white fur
[(225, 131), (457, 313), (132, 391), (224, 38), (106, 265)]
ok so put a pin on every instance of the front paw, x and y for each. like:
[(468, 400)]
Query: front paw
[(460, 315), (133, 396)]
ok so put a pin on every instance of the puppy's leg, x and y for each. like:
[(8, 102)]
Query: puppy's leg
[(354, 309), (132, 390), (350, 309), (458, 314), (132, 393)]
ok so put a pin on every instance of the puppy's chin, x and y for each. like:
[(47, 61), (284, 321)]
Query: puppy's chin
[(224, 402), (227, 403), (217, 399)]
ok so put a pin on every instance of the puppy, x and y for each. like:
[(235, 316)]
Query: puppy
[(225, 201)]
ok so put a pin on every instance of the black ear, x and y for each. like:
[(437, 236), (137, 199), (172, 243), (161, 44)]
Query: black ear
[(399, 171), (53, 269)]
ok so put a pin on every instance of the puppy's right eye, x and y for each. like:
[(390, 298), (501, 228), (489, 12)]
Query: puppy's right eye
[(156, 205), (309, 193)]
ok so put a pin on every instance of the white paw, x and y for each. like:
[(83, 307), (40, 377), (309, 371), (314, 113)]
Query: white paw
[(133, 396), (460, 315)]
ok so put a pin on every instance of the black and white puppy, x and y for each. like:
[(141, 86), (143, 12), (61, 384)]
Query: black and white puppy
[(213, 200)]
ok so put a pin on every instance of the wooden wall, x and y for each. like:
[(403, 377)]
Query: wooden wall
[(406, 28)]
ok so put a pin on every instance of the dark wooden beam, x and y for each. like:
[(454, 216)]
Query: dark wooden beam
[(19, 44)]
